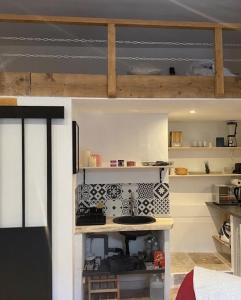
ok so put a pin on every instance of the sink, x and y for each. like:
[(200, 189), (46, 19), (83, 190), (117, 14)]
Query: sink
[(132, 220)]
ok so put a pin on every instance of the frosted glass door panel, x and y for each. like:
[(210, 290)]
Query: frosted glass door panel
[(10, 173), (36, 172)]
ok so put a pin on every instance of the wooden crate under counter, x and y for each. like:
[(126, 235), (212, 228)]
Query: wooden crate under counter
[(104, 287)]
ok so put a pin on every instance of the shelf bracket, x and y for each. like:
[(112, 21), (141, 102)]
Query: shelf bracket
[(84, 175), (161, 171)]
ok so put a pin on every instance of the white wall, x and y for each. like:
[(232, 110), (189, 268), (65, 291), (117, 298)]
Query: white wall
[(10, 181), (194, 226), (138, 137)]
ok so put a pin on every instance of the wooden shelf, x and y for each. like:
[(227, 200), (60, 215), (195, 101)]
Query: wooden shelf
[(144, 271), (205, 175), (226, 244), (124, 168), (204, 148)]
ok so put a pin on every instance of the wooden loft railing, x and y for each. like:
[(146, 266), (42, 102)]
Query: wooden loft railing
[(115, 84)]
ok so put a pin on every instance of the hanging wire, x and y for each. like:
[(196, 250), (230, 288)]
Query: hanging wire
[(120, 42)]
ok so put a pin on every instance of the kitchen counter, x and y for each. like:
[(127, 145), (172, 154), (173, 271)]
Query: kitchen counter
[(229, 209), (160, 224)]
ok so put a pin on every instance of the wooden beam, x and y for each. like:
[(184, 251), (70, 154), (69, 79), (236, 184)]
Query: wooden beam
[(111, 61), (232, 86), (8, 101), (155, 86), (105, 21), (219, 74), (128, 86), (68, 85), (14, 84)]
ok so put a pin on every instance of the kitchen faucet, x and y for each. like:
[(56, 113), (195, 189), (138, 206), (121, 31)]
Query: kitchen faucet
[(132, 204)]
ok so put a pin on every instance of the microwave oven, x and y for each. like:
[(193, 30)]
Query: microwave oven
[(224, 194)]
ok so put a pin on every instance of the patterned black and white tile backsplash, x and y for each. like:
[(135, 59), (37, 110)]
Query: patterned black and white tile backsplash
[(150, 198)]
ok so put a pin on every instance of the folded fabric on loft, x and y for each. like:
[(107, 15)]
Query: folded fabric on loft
[(205, 68), (216, 285)]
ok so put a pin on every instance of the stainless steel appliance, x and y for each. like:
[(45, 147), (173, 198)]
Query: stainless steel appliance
[(232, 131), (226, 194)]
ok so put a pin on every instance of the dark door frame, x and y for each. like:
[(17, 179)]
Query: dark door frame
[(33, 112)]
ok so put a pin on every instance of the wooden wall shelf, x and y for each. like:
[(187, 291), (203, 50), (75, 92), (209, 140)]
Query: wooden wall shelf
[(204, 148), (124, 168), (204, 175), (226, 244)]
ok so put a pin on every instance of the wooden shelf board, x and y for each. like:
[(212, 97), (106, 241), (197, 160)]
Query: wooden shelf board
[(216, 238), (99, 273), (124, 168), (204, 148), (103, 291), (204, 175)]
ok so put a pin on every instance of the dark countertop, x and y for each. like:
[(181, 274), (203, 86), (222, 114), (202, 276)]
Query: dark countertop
[(234, 210)]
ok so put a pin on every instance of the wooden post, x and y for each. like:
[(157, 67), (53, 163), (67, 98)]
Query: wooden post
[(8, 101), (111, 61), (219, 73)]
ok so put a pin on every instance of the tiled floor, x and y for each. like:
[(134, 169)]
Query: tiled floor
[(182, 263), (185, 262), (173, 294)]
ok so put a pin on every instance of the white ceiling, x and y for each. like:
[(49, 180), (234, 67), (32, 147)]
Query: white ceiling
[(177, 109), (214, 10), (193, 10)]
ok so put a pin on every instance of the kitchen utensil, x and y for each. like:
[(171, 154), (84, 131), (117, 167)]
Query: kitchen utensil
[(90, 263), (237, 168), (175, 138), (237, 193), (121, 163), (232, 131), (236, 182), (207, 168), (181, 171), (148, 163), (130, 163), (113, 163), (219, 141)]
